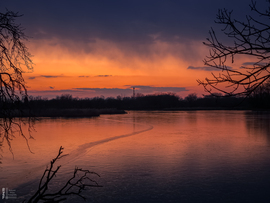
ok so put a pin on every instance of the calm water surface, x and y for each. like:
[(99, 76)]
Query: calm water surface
[(195, 156)]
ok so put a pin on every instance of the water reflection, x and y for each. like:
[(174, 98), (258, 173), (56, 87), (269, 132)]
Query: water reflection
[(258, 124), (199, 156), (192, 117), (212, 161)]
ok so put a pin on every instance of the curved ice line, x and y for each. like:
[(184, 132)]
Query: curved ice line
[(91, 144), (81, 149)]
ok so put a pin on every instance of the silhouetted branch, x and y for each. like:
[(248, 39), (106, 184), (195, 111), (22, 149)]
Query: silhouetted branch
[(250, 38), (15, 59), (74, 186)]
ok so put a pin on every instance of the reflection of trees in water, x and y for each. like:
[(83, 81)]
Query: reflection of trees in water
[(191, 117), (0, 153), (258, 124)]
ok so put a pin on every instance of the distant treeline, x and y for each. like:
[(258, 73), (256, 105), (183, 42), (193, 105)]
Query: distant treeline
[(259, 100)]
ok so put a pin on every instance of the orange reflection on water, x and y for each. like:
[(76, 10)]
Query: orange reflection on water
[(156, 143), (203, 141), (49, 136)]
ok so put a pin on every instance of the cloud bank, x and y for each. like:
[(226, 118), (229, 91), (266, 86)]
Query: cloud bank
[(132, 25), (206, 68), (106, 92)]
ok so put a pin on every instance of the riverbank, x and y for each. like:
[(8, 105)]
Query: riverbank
[(72, 113), (207, 108), (81, 113)]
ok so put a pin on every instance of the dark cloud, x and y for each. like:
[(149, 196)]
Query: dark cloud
[(45, 76), (206, 68), (107, 92), (136, 21), (82, 92), (52, 91), (142, 89), (87, 76), (50, 76), (103, 76), (253, 63), (151, 89), (133, 27)]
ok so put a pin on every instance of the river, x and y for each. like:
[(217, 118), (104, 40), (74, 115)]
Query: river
[(150, 156)]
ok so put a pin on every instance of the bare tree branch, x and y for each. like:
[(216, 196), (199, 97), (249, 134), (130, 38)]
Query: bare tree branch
[(250, 38), (15, 59), (79, 182)]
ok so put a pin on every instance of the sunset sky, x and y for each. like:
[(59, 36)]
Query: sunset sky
[(106, 47)]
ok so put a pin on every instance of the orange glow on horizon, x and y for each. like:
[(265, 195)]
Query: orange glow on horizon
[(106, 65)]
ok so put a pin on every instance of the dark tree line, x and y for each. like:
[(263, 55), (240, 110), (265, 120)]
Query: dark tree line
[(259, 99), (261, 96)]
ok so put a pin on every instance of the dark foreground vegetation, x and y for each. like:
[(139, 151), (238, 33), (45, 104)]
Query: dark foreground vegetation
[(79, 182)]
